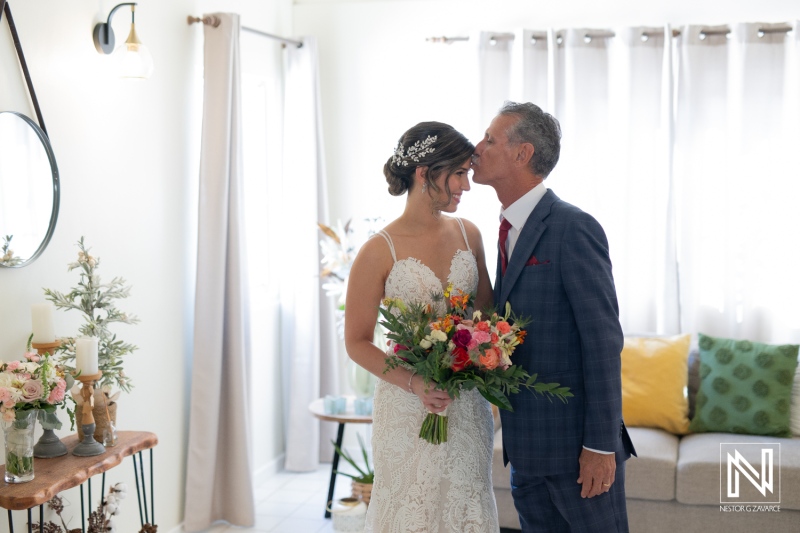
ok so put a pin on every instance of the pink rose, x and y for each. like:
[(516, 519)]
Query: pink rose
[(482, 337), (13, 365), (5, 395), (32, 390), (32, 356)]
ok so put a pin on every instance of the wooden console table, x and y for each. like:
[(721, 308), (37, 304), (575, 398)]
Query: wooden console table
[(58, 474)]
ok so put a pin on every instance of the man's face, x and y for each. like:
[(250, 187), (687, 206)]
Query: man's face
[(494, 154)]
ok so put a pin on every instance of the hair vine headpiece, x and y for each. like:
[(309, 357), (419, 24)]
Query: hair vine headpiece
[(415, 152)]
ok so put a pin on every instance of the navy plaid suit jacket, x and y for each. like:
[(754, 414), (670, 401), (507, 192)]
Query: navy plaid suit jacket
[(574, 338)]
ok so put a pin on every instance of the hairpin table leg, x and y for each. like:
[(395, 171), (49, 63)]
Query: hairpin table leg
[(30, 522), (144, 489), (10, 522), (138, 494), (83, 512)]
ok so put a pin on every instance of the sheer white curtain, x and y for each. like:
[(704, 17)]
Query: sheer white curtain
[(219, 471), (735, 162), (308, 336), (684, 153)]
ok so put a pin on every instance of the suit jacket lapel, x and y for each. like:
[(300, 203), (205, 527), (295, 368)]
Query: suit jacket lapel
[(528, 238)]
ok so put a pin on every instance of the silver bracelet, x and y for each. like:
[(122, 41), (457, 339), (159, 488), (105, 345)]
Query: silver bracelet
[(413, 373)]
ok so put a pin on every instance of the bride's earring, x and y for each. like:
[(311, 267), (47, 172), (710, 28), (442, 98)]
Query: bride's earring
[(424, 186)]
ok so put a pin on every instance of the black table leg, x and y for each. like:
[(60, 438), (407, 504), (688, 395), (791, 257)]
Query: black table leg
[(10, 522), (339, 436)]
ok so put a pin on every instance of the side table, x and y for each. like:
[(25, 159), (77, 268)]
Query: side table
[(317, 409), (61, 473)]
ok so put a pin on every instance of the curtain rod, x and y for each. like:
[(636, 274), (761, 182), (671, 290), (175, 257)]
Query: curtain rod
[(214, 21), (603, 34)]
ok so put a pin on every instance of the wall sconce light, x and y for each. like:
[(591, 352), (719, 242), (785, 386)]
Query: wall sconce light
[(132, 57)]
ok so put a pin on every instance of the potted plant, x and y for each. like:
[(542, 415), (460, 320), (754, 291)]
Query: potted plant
[(96, 301), (362, 481)]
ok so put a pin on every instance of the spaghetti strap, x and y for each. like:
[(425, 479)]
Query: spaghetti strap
[(464, 233), (391, 244)]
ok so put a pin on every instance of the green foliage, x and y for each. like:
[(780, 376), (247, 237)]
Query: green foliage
[(96, 301)]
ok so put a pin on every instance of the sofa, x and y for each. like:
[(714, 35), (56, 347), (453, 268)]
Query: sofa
[(674, 483)]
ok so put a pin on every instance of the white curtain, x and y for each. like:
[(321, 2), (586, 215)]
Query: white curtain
[(219, 471), (683, 153), (738, 181), (308, 336)]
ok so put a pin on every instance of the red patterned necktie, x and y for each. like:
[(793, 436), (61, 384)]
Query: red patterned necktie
[(505, 225)]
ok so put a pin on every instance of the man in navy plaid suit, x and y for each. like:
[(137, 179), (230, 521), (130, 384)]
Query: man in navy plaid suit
[(567, 460)]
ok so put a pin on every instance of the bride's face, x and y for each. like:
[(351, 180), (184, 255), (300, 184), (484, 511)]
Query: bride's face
[(457, 182)]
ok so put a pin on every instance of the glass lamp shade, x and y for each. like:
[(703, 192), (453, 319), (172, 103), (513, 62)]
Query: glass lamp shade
[(133, 59)]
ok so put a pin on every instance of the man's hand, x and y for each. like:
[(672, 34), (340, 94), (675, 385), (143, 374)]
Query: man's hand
[(597, 473)]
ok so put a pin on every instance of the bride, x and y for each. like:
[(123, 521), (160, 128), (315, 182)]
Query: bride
[(422, 487)]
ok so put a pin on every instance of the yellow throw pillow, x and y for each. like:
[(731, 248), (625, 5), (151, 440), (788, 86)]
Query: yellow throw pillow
[(654, 375)]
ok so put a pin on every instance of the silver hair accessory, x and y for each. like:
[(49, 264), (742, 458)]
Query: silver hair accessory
[(415, 152)]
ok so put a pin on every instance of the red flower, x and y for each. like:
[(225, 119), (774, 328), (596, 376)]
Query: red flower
[(462, 338), (460, 359), (397, 348)]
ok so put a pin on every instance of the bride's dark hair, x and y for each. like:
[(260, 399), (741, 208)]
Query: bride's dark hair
[(435, 145)]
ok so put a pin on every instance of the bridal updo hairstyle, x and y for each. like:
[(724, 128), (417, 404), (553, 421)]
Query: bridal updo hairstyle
[(451, 149)]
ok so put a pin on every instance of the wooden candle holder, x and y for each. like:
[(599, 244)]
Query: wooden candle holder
[(88, 446)]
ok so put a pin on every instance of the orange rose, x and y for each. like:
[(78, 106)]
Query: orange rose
[(490, 359), (482, 326), (503, 327)]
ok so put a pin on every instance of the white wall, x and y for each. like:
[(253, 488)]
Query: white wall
[(127, 154)]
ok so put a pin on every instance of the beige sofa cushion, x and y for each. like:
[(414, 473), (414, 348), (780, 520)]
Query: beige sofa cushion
[(698, 473), (651, 475)]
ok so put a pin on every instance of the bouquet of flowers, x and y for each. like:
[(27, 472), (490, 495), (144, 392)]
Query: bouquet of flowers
[(460, 350)]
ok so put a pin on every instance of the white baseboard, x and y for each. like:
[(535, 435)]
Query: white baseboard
[(262, 474)]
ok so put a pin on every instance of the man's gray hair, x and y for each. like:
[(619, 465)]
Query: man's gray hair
[(540, 129)]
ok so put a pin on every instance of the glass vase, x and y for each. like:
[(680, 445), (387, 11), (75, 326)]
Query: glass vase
[(19, 447)]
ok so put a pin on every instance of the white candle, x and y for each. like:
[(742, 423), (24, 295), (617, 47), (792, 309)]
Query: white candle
[(86, 355), (42, 320)]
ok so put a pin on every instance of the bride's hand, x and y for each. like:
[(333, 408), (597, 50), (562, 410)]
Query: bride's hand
[(434, 400)]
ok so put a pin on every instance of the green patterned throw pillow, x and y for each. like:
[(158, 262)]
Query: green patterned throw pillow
[(745, 387)]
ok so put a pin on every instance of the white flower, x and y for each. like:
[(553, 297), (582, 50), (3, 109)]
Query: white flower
[(476, 316), (111, 499), (120, 488), (111, 508), (425, 344), (438, 336)]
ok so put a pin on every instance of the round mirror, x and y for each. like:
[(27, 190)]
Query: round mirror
[(29, 191)]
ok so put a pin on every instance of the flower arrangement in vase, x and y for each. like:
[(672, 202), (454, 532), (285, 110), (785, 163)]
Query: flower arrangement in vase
[(96, 301), (27, 387)]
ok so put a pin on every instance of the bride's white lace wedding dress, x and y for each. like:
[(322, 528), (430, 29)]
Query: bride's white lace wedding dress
[(422, 487)]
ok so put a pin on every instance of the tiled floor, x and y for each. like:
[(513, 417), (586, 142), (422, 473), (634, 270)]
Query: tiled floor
[(291, 502)]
